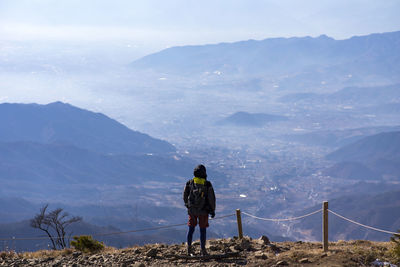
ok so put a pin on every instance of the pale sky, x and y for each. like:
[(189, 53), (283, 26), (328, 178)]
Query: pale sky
[(166, 23)]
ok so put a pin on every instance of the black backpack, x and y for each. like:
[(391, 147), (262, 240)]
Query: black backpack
[(198, 195)]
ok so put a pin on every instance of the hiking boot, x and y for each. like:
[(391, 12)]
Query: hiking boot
[(204, 252), (189, 251)]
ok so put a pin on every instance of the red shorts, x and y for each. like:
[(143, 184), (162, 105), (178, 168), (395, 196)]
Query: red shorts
[(203, 221)]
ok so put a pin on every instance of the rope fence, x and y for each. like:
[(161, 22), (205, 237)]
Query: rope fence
[(157, 228), (283, 220), (324, 211), (114, 233), (317, 211), (362, 225)]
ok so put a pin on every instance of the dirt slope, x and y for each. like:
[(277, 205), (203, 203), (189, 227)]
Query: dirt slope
[(223, 252)]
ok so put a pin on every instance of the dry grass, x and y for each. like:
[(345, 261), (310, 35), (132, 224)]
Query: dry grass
[(57, 253), (111, 250), (8, 254), (46, 253)]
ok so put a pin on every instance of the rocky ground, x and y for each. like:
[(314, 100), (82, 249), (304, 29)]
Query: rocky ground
[(223, 252)]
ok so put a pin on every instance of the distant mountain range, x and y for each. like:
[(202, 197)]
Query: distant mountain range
[(250, 119), (338, 138), (373, 156), (353, 97), (376, 53)]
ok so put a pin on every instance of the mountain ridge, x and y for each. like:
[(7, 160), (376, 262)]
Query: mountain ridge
[(281, 55), (61, 122)]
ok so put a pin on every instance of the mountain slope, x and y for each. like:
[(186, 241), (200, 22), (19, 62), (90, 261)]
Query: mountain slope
[(16, 209), (352, 170), (377, 154), (63, 123), (68, 164), (371, 148), (43, 171)]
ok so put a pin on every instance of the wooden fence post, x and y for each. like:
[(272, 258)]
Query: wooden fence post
[(325, 225), (239, 223)]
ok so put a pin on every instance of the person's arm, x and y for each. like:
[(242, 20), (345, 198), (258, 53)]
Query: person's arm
[(186, 194), (211, 199)]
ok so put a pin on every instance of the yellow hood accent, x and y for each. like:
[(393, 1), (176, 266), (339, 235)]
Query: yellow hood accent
[(198, 180)]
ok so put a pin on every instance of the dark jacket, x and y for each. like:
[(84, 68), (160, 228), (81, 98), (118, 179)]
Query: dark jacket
[(208, 208)]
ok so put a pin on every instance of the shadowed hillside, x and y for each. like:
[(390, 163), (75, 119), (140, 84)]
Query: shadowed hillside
[(246, 119), (377, 154), (379, 146), (63, 123)]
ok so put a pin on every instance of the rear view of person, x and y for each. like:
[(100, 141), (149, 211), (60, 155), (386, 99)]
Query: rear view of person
[(199, 199)]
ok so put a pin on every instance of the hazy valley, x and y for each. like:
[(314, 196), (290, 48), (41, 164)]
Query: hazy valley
[(281, 124)]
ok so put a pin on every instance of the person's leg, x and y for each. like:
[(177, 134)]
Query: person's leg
[(190, 235), (192, 224), (203, 238), (203, 223)]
